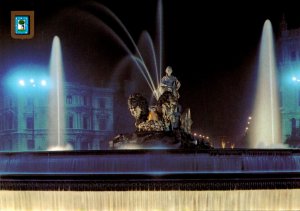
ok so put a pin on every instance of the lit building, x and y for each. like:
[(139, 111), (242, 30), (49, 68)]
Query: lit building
[(24, 118), (288, 58)]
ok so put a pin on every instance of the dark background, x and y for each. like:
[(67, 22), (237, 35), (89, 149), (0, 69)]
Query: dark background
[(212, 47)]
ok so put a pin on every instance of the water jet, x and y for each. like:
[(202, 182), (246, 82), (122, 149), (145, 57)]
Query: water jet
[(265, 131), (56, 113), (142, 179)]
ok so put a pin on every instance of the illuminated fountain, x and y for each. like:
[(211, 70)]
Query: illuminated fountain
[(145, 61), (146, 55), (146, 180), (265, 131), (56, 112)]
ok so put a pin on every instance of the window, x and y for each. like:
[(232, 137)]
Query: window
[(102, 124), (70, 121), (30, 144), (7, 145), (2, 145), (299, 98), (9, 120), (29, 123), (85, 145), (85, 122), (295, 126), (293, 55), (69, 99), (10, 103), (101, 102), (85, 100), (30, 101)]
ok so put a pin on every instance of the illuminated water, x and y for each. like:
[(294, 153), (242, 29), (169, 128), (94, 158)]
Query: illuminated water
[(56, 112), (151, 200), (265, 130), (264, 116), (147, 58)]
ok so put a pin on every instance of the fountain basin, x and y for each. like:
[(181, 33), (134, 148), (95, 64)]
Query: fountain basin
[(174, 169)]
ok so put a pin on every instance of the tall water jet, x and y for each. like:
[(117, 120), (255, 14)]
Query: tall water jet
[(56, 103), (265, 130)]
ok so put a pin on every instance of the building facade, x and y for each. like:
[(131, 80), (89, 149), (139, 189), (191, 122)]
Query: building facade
[(24, 118), (288, 59)]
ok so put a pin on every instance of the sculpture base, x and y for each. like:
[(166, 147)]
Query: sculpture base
[(177, 139)]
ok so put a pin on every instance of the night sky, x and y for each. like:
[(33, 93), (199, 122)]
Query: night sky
[(211, 46)]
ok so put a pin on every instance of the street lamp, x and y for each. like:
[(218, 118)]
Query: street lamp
[(294, 78)]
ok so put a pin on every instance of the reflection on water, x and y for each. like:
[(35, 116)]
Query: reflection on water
[(151, 200)]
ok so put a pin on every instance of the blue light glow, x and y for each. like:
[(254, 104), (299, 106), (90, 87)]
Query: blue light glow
[(294, 78), (31, 83), (43, 83), (27, 77), (21, 82)]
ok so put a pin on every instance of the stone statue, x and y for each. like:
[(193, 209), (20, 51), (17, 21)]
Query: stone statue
[(170, 83), (186, 121), (162, 124), (146, 119), (170, 109), (138, 107)]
